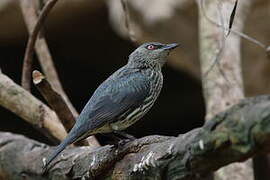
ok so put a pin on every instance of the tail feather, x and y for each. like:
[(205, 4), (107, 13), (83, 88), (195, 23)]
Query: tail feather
[(58, 150), (67, 141)]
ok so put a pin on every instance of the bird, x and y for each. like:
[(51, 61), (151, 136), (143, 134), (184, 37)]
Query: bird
[(123, 98)]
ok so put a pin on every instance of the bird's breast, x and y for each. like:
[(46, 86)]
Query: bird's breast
[(135, 113)]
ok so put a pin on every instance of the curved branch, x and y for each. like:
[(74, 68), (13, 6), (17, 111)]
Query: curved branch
[(234, 135)]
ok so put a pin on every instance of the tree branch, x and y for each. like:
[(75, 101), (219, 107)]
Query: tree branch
[(56, 101), (235, 135), (19, 101)]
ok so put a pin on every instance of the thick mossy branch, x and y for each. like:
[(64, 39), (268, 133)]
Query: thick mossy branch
[(235, 135)]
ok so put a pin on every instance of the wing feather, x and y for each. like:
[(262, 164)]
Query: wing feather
[(114, 97)]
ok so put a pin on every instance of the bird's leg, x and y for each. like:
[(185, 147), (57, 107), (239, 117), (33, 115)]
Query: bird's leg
[(125, 135), (119, 141)]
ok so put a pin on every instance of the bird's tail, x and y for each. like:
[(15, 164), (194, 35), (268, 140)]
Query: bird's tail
[(71, 137)]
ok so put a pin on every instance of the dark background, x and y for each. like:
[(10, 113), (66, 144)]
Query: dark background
[(86, 51)]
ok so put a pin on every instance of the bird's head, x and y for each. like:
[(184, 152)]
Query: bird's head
[(152, 54)]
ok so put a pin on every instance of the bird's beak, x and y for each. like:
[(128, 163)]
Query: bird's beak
[(170, 46)]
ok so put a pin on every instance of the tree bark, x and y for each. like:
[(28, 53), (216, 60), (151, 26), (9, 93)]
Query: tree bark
[(235, 135)]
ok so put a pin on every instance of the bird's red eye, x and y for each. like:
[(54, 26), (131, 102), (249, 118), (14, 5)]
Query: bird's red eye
[(150, 47)]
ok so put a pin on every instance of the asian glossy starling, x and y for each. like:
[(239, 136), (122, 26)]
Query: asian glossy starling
[(124, 98)]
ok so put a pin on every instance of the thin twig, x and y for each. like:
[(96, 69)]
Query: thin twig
[(27, 62), (223, 43), (232, 17), (241, 34), (131, 33), (220, 50), (229, 29), (224, 28)]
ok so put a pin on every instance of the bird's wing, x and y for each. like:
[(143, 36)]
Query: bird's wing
[(113, 98)]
